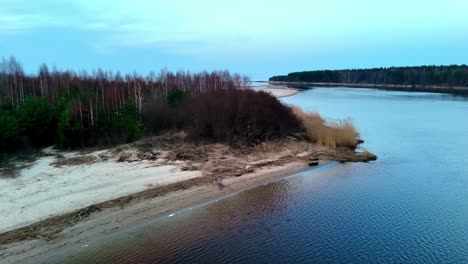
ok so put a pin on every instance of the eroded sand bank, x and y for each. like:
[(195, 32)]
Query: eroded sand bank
[(44, 190)]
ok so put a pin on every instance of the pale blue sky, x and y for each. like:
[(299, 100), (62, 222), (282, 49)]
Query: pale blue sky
[(260, 38)]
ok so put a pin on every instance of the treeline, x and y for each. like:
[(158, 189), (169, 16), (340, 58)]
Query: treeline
[(71, 109), (453, 75)]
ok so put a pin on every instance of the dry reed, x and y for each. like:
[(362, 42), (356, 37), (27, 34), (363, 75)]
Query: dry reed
[(335, 134)]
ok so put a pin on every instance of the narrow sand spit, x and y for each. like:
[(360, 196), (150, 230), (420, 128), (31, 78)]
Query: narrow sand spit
[(278, 91)]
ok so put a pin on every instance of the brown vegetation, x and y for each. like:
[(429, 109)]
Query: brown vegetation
[(337, 134), (229, 115)]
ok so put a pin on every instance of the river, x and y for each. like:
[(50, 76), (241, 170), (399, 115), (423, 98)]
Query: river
[(409, 206)]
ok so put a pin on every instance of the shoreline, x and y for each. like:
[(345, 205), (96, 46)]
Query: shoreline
[(210, 171), (140, 211), (455, 90)]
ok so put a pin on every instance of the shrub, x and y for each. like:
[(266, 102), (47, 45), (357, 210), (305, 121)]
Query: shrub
[(38, 120), (127, 123), (123, 126), (70, 133), (238, 114), (223, 115), (176, 97), (10, 131), (158, 116)]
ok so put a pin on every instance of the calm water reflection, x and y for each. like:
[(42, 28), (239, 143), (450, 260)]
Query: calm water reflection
[(410, 206)]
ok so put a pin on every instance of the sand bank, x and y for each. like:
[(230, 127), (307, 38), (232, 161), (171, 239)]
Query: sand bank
[(457, 90), (278, 91), (44, 190)]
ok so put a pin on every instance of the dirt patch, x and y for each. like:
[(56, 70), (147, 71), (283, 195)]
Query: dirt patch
[(215, 158), (228, 161), (74, 161), (9, 172), (135, 155), (11, 167), (344, 155)]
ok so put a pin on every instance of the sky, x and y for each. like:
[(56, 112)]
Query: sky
[(259, 38)]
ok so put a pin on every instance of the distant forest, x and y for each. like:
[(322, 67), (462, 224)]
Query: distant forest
[(453, 75)]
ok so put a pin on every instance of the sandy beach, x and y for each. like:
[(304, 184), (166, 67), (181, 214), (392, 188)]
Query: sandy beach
[(44, 190)]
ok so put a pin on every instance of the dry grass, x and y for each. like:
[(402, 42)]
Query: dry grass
[(336, 134), (268, 147), (74, 161)]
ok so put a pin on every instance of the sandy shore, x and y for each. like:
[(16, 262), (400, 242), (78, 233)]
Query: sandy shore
[(65, 198), (138, 212), (278, 91), (44, 190)]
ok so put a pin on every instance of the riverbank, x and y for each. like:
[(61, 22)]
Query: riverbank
[(457, 90), (60, 198), (138, 212), (278, 91)]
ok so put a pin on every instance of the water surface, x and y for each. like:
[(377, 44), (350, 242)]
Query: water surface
[(410, 206)]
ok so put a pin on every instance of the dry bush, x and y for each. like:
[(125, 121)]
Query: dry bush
[(236, 115), (229, 115), (336, 134)]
